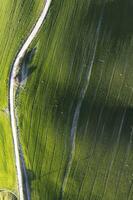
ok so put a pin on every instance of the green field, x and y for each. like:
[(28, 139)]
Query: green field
[(102, 161), (16, 20), (76, 132)]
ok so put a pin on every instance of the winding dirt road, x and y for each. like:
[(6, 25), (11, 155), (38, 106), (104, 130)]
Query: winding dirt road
[(20, 165)]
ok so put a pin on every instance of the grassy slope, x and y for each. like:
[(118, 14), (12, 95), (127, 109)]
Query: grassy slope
[(102, 165), (16, 19)]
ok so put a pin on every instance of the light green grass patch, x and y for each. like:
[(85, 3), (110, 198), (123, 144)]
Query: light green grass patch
[(16, 20)]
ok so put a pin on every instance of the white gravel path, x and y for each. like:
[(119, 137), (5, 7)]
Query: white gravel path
[(20, 165)]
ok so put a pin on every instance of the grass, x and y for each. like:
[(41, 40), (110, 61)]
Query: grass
[(102, 163), (7, 195), (16, 20)]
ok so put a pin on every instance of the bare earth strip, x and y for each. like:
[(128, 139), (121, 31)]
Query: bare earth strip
[(20, 165)]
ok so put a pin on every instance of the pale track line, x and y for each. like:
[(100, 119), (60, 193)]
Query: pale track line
[(20, 165), (78, 108)]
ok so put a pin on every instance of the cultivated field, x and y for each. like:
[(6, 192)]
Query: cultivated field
[(75, 99), (75, 112)]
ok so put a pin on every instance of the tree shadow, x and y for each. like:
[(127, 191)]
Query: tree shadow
[(26, 67), (118, 19)]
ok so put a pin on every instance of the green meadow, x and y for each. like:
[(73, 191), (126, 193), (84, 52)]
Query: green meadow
[(16, 20), (75, 106), (98, 164)]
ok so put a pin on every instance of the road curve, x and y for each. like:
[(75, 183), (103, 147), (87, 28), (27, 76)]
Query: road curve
[(20, 165)]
